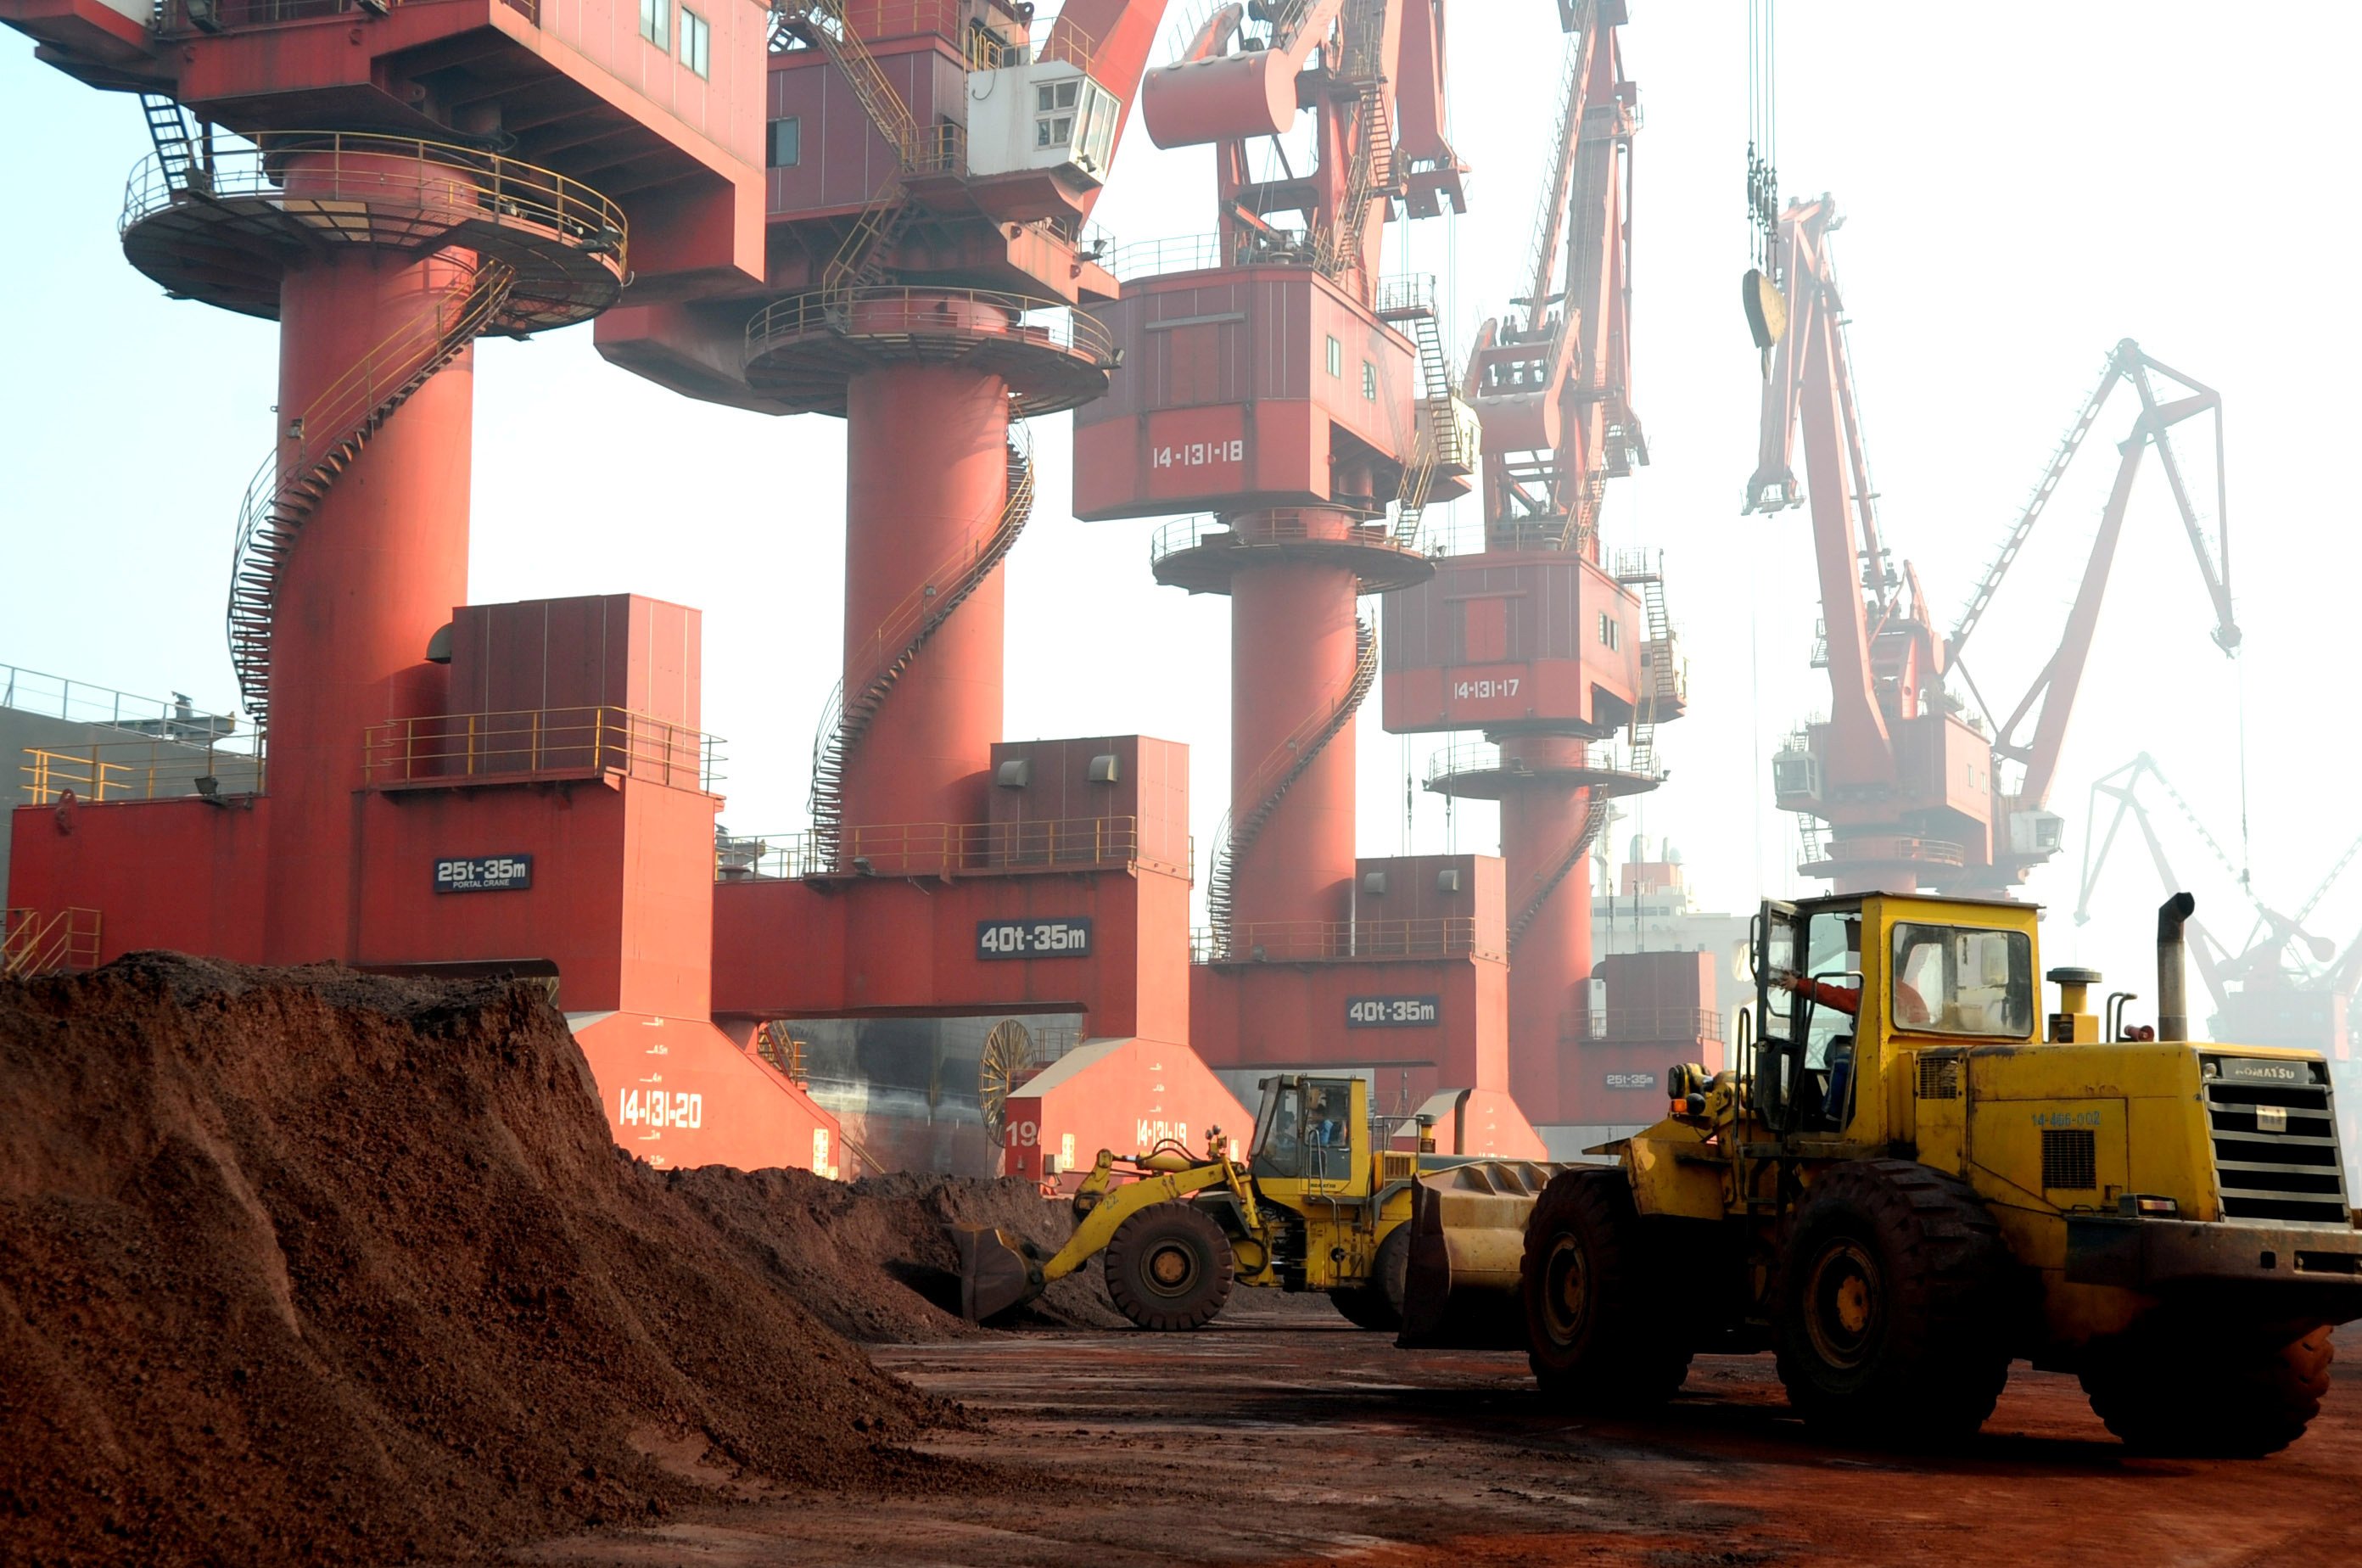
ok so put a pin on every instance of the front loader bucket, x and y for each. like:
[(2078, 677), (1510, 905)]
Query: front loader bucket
[(997, 1271), (1467, 1241)]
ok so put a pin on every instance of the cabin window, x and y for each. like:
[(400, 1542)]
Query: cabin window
[(1957, 979), (786, 142)]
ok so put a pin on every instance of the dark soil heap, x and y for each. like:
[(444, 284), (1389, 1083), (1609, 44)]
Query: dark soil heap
[(301, 1264), (874, 1260)]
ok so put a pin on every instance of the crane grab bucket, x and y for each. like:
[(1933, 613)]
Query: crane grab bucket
[(1766, 313)]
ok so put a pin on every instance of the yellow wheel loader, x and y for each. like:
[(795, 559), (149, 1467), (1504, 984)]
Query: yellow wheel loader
[(1913, 1178), (1316, 1205)]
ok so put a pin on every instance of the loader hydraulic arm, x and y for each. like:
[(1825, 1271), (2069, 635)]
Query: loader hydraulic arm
[(998, 1271), (1099, 1226)]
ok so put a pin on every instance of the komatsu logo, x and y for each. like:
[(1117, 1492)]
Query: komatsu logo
[(2247, 1070), (1151, 1133)]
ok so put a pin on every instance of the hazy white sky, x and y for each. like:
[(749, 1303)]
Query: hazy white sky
[(2023, 189)]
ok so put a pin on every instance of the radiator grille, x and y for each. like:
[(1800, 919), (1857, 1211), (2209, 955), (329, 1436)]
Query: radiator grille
[(2276, 1152), (1939, 1076), (2070, 1159)]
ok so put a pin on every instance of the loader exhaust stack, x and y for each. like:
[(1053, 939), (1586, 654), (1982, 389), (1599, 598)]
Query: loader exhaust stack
[(2172, 1000)]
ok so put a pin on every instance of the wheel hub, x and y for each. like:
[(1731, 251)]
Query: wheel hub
[(1172, 1269), (1844, 1305), (1567, 1296)]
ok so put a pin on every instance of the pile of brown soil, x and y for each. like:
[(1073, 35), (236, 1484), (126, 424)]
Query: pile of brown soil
[(303, 1265), (875, 1259)]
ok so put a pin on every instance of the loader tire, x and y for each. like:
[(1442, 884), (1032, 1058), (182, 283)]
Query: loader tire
[(1377, 1306), (2193, 1391), (1599, 1333), (1168, 1268), (1893, 1305)]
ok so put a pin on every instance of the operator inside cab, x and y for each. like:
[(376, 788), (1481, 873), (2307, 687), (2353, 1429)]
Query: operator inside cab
[(1827, 1100), (1305, 1129), (1910, 1007)]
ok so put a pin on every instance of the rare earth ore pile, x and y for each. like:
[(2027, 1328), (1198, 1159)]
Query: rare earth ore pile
[(298, 1263), (874, 1260)]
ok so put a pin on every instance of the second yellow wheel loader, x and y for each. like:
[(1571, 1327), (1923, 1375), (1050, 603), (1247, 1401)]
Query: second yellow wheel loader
[(1314, 1207), (1913, 1178)]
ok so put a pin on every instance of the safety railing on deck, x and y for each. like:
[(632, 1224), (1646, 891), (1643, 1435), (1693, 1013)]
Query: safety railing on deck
[(1640, 1025), (176, 18), (986, 47), (151, 770), (1277, 941), (1286, 527), (363, 185), (912, 314), (80, 702), (940, 849), (34, 942), (1473, 757), (1149, 257), (1900, 847), (545, 742)]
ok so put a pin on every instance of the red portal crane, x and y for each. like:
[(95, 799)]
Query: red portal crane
[(1908, 791), (1541, 642), (388, 182), (1270, 386), (865, 208)]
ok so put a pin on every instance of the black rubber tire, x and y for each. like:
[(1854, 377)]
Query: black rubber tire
[(1169, 1267), (1601, 1331), (2209, 1392), (1893, 1305), (1377, 1306)]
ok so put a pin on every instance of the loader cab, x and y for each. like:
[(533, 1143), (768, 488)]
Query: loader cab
[(1313, 1129), (1838, 979)]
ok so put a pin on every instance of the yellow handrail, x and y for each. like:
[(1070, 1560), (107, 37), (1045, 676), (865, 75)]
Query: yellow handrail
[(37, 945), (927, 849), (584, 740)]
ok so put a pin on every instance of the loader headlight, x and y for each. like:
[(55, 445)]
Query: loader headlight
[(2147, 1206)]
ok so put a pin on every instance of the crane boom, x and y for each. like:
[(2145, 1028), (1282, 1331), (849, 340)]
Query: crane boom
[(2050, 700), (1912, 791), (1551, 381)]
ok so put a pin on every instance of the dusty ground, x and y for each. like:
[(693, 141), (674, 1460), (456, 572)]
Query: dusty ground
[(1280, 1436)]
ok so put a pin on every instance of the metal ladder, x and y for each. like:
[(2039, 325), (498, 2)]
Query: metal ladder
[(861, 257), (327, 437), (905, 631), (1435, 441), (176, 149), (823, 24), (1371, 174), (1288, 762), (1658, 692)]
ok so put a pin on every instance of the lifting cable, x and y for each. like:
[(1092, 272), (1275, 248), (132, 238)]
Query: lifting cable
[(1762, 138), (2246, 856)]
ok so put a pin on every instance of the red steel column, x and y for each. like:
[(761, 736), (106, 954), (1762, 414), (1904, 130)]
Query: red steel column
[(1554, 951), (1293, 648), (374, 572), (926, 476)]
